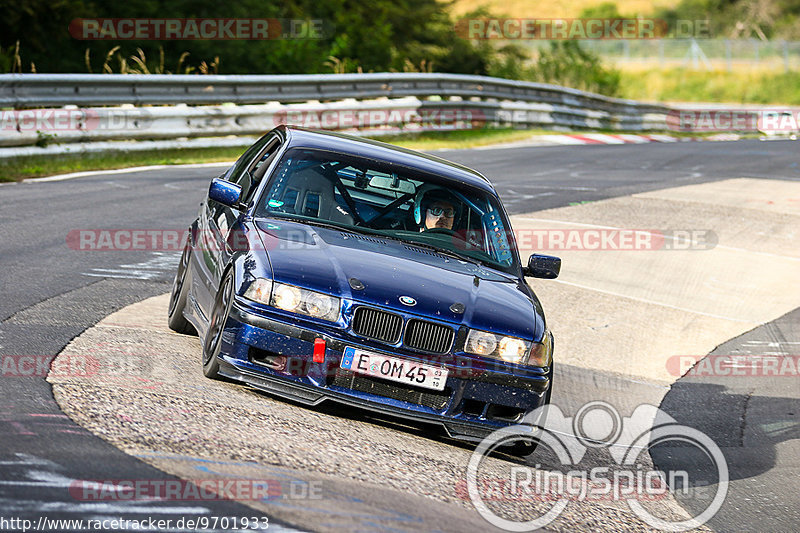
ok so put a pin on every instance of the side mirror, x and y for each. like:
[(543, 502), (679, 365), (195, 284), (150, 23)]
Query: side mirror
[(543, 266), (224, 192)]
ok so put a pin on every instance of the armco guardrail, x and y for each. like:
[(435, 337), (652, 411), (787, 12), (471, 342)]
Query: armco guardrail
[(27, 90), (152, 106)]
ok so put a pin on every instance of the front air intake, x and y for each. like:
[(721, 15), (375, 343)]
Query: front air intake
[(428, 336), (378, 325)]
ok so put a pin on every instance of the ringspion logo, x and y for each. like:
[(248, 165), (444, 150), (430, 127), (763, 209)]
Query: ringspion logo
[(628, 478)]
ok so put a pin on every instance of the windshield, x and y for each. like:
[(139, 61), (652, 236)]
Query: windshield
[(368, 196)]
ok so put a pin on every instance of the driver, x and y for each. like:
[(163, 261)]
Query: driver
[(437, 208)]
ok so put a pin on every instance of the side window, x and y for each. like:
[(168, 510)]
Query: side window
[(236, 174), (260, 166), (241, 171), (227, 175), (258, 169)]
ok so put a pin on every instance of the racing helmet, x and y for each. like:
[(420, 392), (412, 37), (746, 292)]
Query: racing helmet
[(427, 195)]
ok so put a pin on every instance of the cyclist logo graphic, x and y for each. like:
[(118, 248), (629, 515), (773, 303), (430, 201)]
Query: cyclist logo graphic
[(596, 425)]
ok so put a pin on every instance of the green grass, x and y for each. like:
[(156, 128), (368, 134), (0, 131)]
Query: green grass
[(752, 86), (14, 169)]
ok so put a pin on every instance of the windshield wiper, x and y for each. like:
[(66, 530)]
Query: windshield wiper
[(456, 255), (327, 224), (442, 251), (312, 222)]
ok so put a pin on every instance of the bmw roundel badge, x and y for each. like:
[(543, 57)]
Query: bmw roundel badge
[(407, 300)]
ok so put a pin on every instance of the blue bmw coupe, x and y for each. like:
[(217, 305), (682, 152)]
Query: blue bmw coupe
[(324, 267)]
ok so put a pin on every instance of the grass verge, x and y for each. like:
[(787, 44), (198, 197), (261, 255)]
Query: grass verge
[(19, 168), (754, 86)]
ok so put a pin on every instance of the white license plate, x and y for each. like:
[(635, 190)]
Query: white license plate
[(394, 368)]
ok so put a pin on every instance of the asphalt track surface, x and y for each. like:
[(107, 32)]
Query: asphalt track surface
[(52, 293)]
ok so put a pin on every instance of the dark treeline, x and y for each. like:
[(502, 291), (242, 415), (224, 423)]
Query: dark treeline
[(377, 35), (357, 36)]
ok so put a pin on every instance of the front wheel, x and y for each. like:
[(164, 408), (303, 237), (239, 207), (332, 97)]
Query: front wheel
[(216, 326), (180, 291)]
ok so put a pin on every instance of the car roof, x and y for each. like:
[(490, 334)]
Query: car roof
[(349, 144)]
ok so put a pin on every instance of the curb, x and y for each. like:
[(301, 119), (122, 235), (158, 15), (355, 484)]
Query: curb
[(583, 139)]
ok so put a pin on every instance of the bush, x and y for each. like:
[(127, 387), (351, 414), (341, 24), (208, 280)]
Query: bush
[(566, 63)]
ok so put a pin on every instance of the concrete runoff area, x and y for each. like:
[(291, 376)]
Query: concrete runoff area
[(348, 468), (754, 420), (629, 311), (624, 312)]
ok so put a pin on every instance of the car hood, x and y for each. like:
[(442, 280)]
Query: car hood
[(330, 260)]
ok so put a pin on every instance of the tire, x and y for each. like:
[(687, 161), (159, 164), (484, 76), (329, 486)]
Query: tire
[(216, 326), (180, 291)]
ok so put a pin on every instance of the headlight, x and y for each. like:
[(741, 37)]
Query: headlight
[(311, 303), (481, 342), (286, 297), (319, 305), (510, 349), (294, 299), (259, 291)]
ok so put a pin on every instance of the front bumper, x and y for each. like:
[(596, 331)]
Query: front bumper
[(275, 354)]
